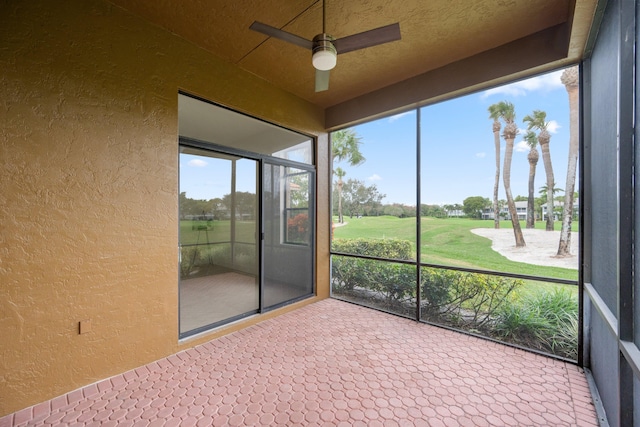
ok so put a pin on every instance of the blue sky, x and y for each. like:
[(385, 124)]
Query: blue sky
[(458, 157), (457, 149), (207, 178)]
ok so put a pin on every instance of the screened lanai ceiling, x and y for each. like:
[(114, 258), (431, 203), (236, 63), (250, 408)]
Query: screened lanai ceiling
[(482, 42)]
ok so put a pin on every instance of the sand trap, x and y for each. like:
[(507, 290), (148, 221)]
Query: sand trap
[(541, 248)]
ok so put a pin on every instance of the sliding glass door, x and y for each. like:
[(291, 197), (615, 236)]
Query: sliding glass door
[(220, 275), (247, 216), (218, 238)]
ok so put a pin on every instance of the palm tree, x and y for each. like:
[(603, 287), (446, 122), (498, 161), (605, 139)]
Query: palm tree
[(344, 146), (545, 188), (448, 209), (340, 173), (538, 121), (533, 157), (508, 113), (494, 113), (544, 195), (569, 79)]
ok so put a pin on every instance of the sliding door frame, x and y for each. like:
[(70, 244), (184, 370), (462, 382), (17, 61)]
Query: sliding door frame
[(261, 159), (312, 227)]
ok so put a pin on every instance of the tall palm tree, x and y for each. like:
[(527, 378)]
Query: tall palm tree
[(533, 156), (494, 113), (569, 79), (340, 173), (537, 120), (345, 146), (507, 112)]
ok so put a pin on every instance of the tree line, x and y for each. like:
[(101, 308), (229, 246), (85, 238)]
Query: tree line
[(358, 199), (219, 208)]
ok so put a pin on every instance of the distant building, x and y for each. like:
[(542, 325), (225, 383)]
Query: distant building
[(560, 205), (521, 209), (455, 213)]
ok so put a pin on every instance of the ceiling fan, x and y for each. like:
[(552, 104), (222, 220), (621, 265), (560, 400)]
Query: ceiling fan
[(325, 47)]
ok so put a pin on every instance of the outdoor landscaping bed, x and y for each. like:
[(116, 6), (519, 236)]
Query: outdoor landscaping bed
[(494, 306)]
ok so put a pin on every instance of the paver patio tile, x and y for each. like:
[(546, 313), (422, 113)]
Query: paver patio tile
[(332, 363)]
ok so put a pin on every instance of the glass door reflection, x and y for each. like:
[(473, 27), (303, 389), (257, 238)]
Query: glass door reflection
[(218, 239)]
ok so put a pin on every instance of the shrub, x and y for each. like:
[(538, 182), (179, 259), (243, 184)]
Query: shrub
[(468, 300), (395, 282), (560, 309), (547, 321), (190, 257), (298, 229), (218, 254), (391, 281), (381, 248), (465, 299), (349, 273), (519, 322), (435, 289)]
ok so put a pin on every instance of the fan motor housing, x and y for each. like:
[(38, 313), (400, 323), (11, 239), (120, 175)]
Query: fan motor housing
[(324, 55)]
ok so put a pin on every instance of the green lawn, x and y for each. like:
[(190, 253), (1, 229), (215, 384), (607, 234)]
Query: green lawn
[(449, 242), (444, 241)]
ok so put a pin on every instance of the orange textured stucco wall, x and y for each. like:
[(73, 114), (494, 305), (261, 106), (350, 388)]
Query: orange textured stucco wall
[(88, 189)]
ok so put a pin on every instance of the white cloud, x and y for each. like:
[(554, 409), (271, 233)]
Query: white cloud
[(521, 147), (399, 116), (375, 177), (553, 126), (544, 83), (510, 90), (197, 163), (481, 155)]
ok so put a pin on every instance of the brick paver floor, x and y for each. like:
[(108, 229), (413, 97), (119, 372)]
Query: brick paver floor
[(332, 363)]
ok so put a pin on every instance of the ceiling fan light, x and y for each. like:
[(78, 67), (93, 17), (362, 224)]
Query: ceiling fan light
[(324, 60), (324, 56)]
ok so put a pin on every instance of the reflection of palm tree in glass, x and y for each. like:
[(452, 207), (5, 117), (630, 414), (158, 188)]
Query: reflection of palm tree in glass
[(494, 113), (507, 112), (537, 120), (570, 80), (532, 157), (298, 186)]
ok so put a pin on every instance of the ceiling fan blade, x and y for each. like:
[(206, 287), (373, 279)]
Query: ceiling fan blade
[(281, 34), (322, 80), (369, 38)]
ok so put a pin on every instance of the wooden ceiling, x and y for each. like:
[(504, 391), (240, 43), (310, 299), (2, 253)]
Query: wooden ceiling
[(436, 35)]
